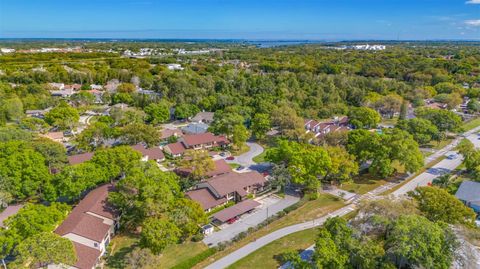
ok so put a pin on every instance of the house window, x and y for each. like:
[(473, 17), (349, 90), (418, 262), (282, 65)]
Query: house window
[(95, 244)]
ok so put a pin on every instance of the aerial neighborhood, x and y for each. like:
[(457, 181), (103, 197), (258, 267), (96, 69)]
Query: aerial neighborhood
[(150, 154)]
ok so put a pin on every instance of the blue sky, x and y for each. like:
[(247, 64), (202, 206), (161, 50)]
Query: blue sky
[(242, 19)]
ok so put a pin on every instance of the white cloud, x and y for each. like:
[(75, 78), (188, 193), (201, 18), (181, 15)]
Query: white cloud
[(475, 23), (473, 2)]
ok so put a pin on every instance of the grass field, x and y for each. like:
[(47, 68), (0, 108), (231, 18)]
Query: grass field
[(260, 158), (269, 256), (362, 184), (308, 211), (121, 245), (471, 124), (234, 165)]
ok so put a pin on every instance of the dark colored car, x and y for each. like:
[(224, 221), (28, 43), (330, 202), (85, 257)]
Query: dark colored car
[(230, 158)]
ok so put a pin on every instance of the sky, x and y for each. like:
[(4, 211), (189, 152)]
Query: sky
[(242, 19)]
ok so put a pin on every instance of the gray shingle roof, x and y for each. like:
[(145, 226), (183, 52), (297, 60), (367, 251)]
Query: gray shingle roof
[(469, 191)]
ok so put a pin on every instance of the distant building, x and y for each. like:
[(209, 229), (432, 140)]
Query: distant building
[(90, 226), (469, 194), (203, 117), (55, 136), (58, 86), (320, 129), (37, 113), (80, 158), (174, 67), (195, 128)]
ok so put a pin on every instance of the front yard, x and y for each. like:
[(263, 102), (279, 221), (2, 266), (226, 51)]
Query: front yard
[(122, 244), (308, 211), (269, 256)]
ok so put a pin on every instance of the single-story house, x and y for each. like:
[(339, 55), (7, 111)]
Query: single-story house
[(196, 141), (235, 210), (167, 133), (195, 128), (221, 167), (469, 194), (80, 158), (204, 117), (231, 186), (154, 153), (55, 136), (9, 211), (90, 226)]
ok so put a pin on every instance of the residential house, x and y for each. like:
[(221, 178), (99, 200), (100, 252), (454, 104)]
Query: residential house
[(167, 133), (80, 158), (90, 226), (220, 167), (203, 117), (469, 194), (9, 211), (63, 93), (322, 128), (154, 153), (195, 128), (55, 136), (174, 67), (196, 142), (226, 187)]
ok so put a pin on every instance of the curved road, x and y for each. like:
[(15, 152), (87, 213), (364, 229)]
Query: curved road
[(246, 159)]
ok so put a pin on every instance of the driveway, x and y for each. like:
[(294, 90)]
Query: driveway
[(250, 220), (246, 159)]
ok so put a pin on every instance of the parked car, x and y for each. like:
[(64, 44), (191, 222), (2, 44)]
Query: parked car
[(240, 168), (452, 156), (230, 158), (232, 220)]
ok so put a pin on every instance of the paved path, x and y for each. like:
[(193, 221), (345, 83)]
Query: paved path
[(248, 221)]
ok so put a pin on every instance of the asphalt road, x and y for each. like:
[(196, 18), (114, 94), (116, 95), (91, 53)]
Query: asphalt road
[(445, 166)]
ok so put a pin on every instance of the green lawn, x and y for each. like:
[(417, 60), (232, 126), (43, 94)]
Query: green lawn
[(438, 145), (363, 184), (260, 158), (471, 124), (234, 165), (121, 245), (269, 255)]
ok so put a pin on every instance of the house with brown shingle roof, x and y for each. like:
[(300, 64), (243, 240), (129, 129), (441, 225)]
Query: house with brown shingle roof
[(226, 187), (220, 167), (90, 226), (195, 141), (154, 153), (80, 158)]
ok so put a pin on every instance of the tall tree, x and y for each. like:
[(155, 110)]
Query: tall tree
[(198, 161), (63, 116), (46, 249)]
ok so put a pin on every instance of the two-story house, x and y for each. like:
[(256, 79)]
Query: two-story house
[(90, 226)]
